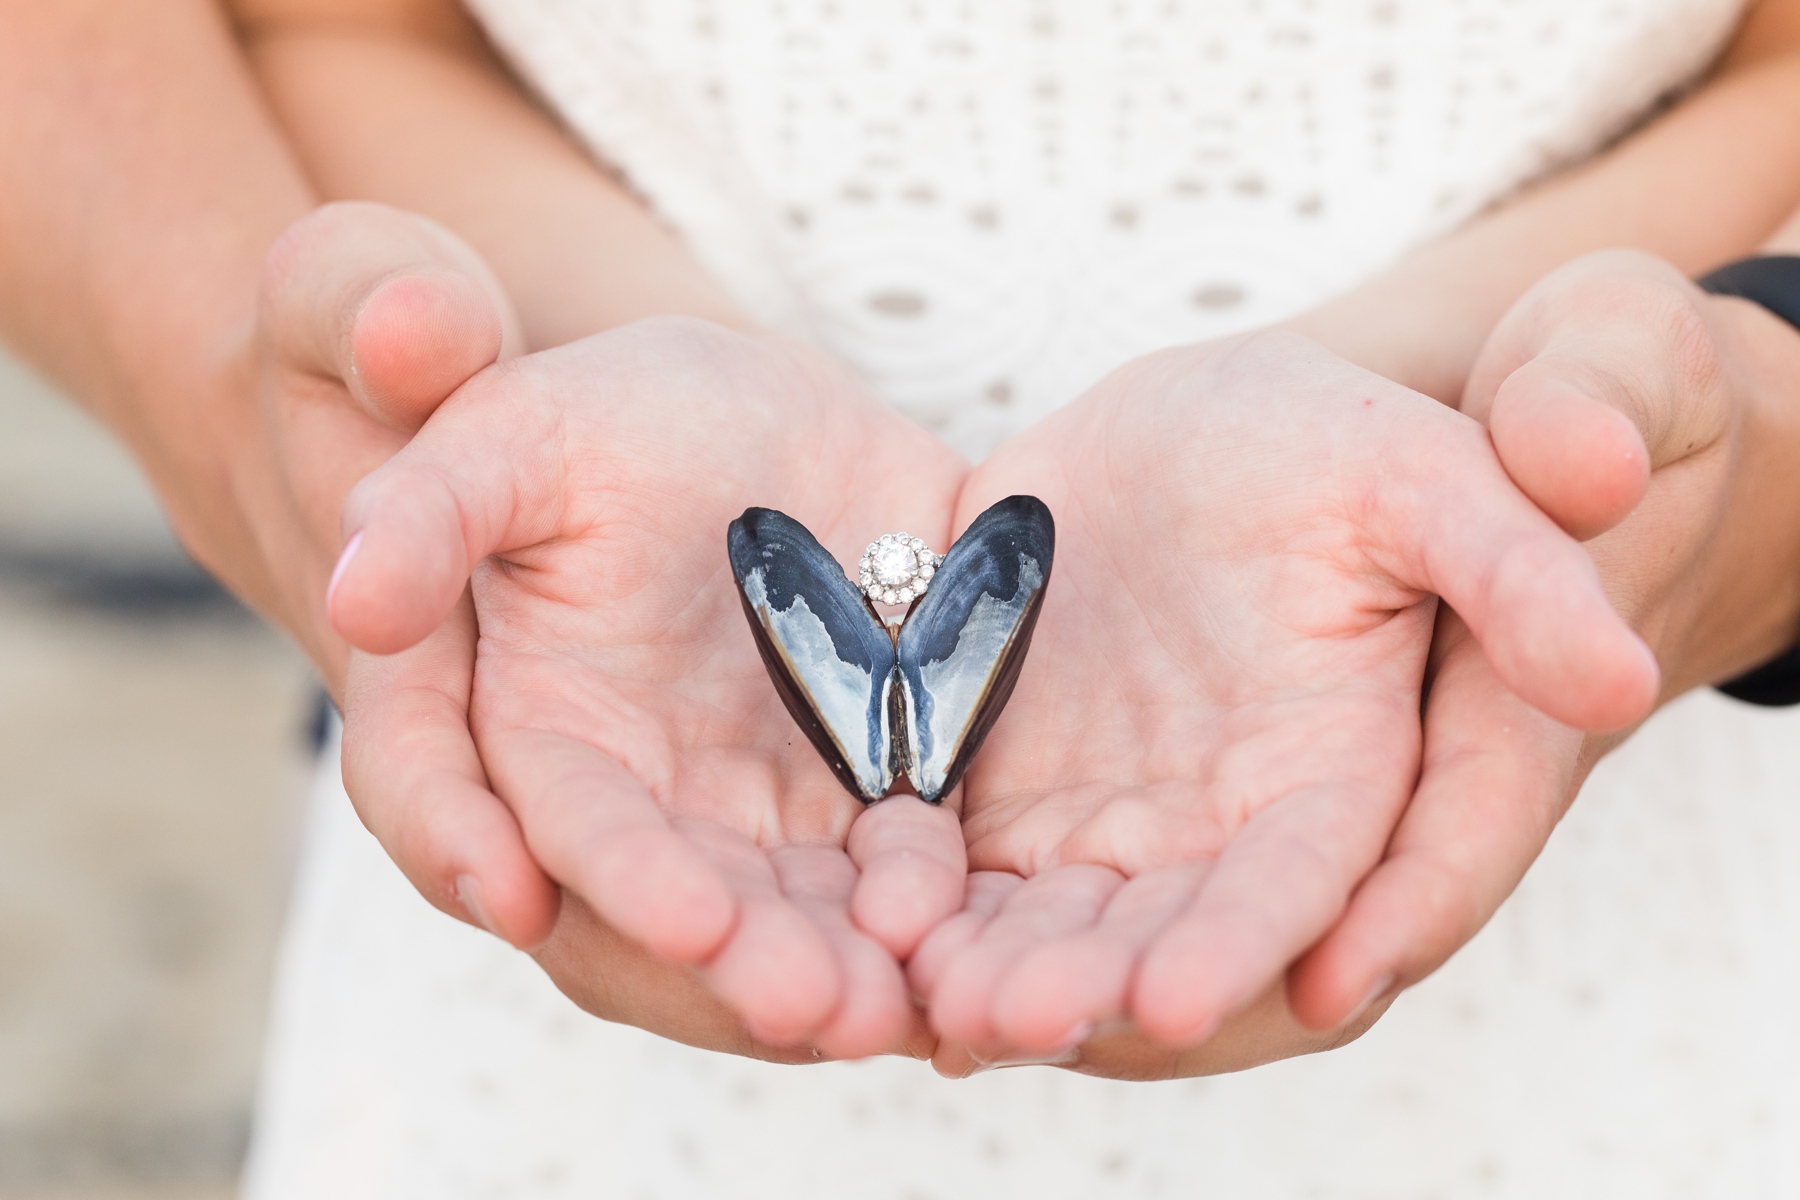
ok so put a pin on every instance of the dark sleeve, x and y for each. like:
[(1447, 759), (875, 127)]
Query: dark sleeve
[(1773, 684)]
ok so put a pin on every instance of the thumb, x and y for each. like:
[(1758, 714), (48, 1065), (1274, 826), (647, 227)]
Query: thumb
[(1602, 373), (393, 305), (1529, 592), (479, 478)]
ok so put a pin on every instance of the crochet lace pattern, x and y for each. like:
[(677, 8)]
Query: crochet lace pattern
[(984, 205)]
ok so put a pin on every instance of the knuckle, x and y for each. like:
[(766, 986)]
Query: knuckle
[(674, 335), (1611, 286), (1277, 343), (1693, 349), (1641, 329), (336, 227), (680, 352), (1676, 389), (1264, 350), (301, 241), (282, 264)]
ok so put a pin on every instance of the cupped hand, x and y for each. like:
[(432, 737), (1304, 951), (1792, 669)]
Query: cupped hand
[(1218, 727), (367, 318), (1628, 404), (616, 697), (370, 317)]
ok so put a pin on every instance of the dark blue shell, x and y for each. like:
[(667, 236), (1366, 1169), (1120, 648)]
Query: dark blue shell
[(963, 643), (874, 704), (827, 651)]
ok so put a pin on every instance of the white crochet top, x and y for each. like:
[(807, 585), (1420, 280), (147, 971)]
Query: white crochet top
[(984, 205)]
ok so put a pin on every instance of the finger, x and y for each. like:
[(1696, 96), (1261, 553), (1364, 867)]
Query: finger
[(777, 968), (394, 305), (920, 1042), (984, 894), (952, 1060), (913, 866), (403, 313), (1047, 906), (1527, 590), (1578, 457), (1279, 885), (596, 830), (1081, 982), (1497, 776), (873, 1014), (416, 526), (1606, 370), (413, 772), (616, 979)]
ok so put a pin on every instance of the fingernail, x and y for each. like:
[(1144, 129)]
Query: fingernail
[(1070, 1042), (1061, 1058), (766, 1037), (337, 572), (1376, 992), (468, 894)]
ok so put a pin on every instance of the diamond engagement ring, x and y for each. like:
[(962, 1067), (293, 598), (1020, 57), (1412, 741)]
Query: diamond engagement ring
[(897, 568)]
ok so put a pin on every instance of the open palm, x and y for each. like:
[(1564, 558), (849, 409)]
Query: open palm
[(618, 701), (1219, 724)]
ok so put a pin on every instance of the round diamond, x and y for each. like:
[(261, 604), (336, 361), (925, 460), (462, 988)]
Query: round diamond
[(895, 564), (896, 568)]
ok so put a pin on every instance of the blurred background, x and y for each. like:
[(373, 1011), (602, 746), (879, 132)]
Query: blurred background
[(155, 740)]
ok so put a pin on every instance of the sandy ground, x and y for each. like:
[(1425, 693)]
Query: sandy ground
[(153, 743)]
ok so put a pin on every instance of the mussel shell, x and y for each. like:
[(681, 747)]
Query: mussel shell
[(962, 645), (830, 657)]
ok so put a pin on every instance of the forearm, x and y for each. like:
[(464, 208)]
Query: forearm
[(402, 103), (144, 183), (1703, 183)]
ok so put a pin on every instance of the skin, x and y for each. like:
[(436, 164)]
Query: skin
[(1219, 726), (1679, 412), (218, 391), (621, 711), (617, 702), (1699, 550)]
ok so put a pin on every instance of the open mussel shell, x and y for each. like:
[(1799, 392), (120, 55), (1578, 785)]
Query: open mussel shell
[(831, 659), (875, 704), (961, 646)]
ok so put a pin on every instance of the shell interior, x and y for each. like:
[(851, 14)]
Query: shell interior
[(875, 705)]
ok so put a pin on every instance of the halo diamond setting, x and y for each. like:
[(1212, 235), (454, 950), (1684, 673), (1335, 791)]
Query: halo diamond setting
[(897, 568)]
